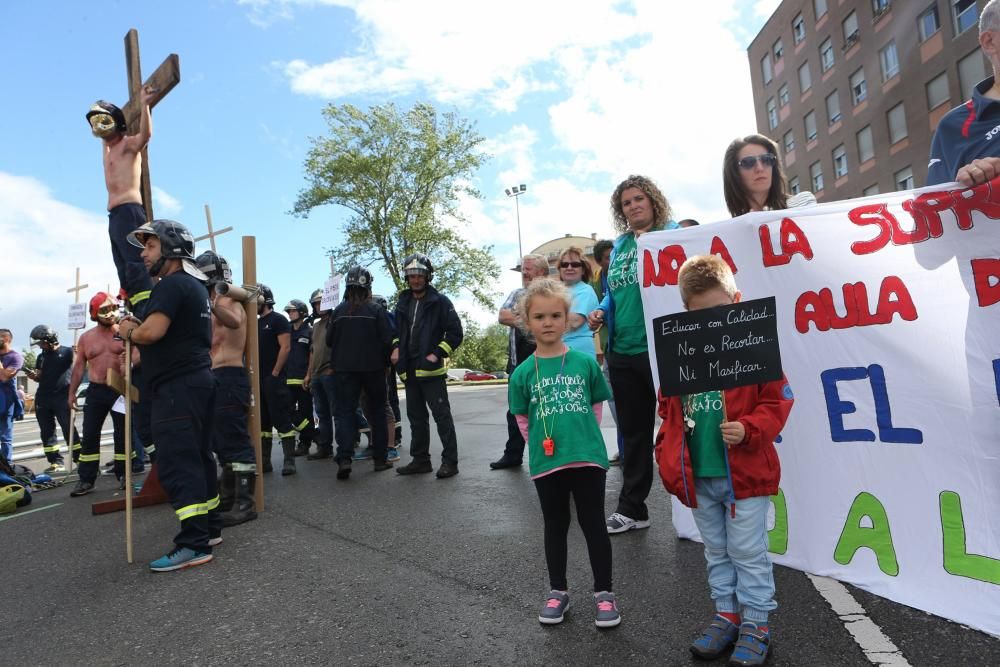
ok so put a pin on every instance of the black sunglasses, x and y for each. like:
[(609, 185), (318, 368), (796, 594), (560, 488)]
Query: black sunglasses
[(570, 265), (767, 160)]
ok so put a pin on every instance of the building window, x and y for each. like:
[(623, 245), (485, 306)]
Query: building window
[(810, 120), (839, 161), (820, 7), (783, 95), (789, 141), (890, 61), (765, 68), (772, 114), (793, 185), (805, 79), (971, 70), (937, 90), (832, 108), (778, 50), (880, 7), (816, 174), (798, 29), (897, 123), (866, 144), (859, 89), (965, 14), (904, 179), (870, 190), (928, 23), (826, 55), (850, 30)]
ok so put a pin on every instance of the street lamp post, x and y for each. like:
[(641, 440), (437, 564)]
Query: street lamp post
[(515, 192)]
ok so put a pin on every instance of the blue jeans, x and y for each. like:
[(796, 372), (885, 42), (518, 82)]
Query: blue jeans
[(323, 401), (7, 434), (740, 575)]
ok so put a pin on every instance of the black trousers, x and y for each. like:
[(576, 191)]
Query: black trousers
[(347, 393), (275, 407), (230, 435), (393, 392), (302, 413), (132, 274), (183, 410), (635, 399), (49, 411), (514, 449), (433, 392), (142, 413), (586, 485), (100, 398)]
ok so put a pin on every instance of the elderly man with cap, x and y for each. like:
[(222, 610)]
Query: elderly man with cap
[(98, 350), (175, 341), (122, 174), (52, 372)]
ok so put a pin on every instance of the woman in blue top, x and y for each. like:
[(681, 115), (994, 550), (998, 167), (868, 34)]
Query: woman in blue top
[(575, 273)]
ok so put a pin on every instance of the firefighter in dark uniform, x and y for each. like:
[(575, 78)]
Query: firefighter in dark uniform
[(52, 371), (274, 335), (297, 369), (174, 341), (230, 434), (429, 330)]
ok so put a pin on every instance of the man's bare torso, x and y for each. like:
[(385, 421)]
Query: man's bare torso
[(228, 344), (101, 351), (122, 173)]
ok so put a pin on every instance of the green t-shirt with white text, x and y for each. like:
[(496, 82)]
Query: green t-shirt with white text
[(708, 451), (623, 282), (563, 396)]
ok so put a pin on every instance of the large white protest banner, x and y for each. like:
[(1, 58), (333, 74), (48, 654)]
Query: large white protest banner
[(889, 323)]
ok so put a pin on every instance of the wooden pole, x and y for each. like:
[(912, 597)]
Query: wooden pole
[(72, 411), (251, 353), (128, 450)]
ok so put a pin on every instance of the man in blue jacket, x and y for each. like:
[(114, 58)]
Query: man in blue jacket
[(429, 330)]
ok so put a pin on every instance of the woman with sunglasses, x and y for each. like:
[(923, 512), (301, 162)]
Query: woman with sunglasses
[(575, 273), (753, 179)]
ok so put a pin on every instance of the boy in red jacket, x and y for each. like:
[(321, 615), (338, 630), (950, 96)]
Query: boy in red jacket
[(725, 467)]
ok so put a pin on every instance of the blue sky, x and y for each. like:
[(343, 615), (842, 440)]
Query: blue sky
[(572, 96)]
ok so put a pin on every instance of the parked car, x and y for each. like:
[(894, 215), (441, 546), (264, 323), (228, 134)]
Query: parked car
[(457, 374), (500, 375), (474, 376)]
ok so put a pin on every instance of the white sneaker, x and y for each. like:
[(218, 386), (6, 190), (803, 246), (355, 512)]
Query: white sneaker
[(619, 523), (215, 541)]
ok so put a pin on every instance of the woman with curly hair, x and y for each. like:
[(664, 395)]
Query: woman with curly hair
[(637, 207), (753, 180)]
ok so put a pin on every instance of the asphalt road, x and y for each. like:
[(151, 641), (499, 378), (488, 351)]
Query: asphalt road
[(385, 570)]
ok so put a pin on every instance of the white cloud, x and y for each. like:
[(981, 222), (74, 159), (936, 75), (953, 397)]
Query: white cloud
[(165, 205), (457, 51), (764, 8), (36, 271)]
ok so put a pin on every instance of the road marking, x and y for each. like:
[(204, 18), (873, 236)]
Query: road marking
[(878, 648), (37, 509)]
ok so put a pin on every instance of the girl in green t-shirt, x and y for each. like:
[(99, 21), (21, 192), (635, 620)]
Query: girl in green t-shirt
[(556, 396)]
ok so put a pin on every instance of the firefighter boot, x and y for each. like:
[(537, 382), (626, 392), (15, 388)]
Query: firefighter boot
[(244, 507), (288, 448), (265, 452), (227, 488)]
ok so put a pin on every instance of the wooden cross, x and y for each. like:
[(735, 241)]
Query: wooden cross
[(211, 234), (78, 288), (166, 76)]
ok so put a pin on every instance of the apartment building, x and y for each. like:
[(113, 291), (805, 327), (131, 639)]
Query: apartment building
[(852, 90)]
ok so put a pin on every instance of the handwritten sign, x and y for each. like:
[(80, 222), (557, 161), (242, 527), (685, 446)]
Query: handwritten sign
[(77, 316), (717, 348), (331, 293)]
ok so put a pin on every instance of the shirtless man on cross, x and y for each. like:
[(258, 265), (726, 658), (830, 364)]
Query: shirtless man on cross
[(230, 435), (98, 350), (122, 177)]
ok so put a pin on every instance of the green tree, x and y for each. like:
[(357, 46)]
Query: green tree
[(401, 174), (29, 359), (481, 349)]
